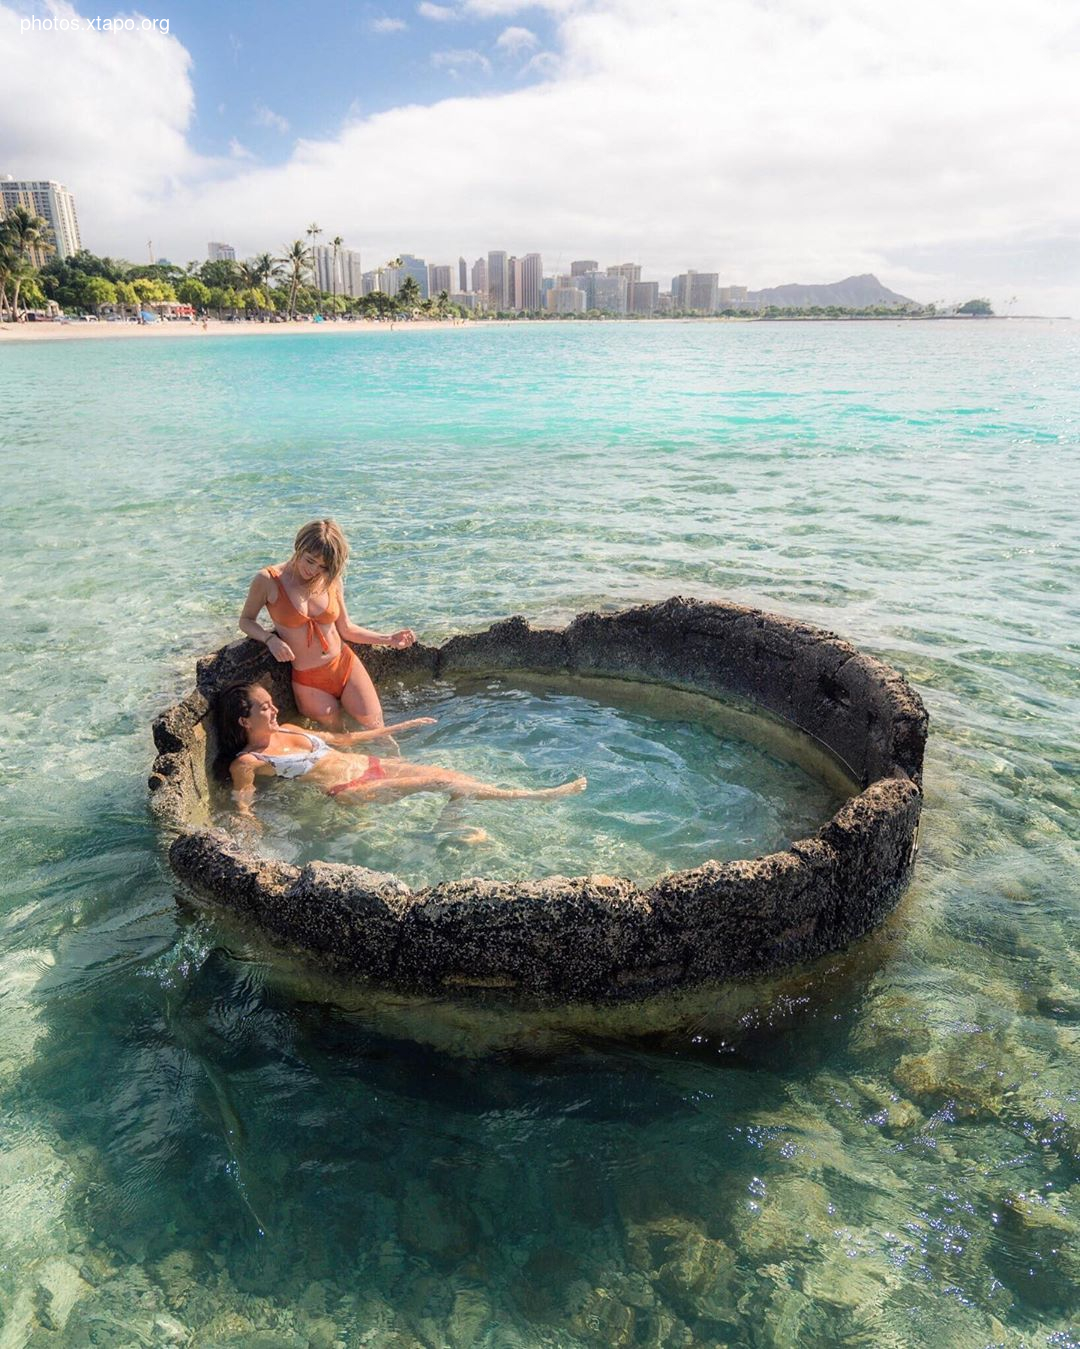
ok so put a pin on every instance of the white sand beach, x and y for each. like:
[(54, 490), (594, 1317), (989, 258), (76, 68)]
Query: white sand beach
[(75, 330)]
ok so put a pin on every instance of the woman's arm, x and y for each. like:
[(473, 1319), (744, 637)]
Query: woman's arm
[(366, 636), (242, 772), (249, 625), (343, 739)]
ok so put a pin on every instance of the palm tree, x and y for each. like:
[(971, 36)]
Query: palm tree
[(408, 296), (392, 265), (265, 268), (313, 232), (8, 264), (25, 232), (296, 260), (337, 241)]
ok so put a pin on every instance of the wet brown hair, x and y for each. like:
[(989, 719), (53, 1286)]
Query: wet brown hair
[(232, 703), (324, 540)]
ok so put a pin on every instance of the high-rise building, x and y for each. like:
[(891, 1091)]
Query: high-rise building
[(54, 204), (566, 299), (352, 277), (480, 282), (417, 269), (340, 275), (732, 295), (384, 279), (608, 293), (513, 281), (218, 252), (325, 265), (643, 297), (583, 268), (498, 280), (696, 291), (439, 279), (530, 273), (463, 276), (704, 292), (631, 270)]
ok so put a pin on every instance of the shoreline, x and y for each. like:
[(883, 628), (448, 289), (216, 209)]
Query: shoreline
[(74, 330)]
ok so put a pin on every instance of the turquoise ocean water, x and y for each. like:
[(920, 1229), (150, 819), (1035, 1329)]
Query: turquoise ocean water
[(202, 1143)]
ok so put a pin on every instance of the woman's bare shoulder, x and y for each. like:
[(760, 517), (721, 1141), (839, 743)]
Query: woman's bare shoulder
[(266, 578)]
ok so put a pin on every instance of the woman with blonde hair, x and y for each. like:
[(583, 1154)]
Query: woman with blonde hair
[(306, 604)]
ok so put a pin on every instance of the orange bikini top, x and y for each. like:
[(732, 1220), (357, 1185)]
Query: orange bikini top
[(286, 613)]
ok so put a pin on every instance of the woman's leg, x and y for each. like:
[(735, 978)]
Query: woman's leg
[(360, 699), (318, 705), (403, 779)]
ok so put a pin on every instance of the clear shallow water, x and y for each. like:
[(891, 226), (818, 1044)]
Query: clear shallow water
[(674, 779), (194, 1138)]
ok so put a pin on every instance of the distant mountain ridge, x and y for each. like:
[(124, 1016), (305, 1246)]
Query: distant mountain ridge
[(854, 292)]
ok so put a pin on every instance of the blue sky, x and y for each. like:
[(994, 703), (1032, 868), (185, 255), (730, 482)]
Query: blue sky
[(769, 141), (267, 74)]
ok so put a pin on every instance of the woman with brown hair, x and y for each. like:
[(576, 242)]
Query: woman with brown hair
[(252, 743), (306, 604)]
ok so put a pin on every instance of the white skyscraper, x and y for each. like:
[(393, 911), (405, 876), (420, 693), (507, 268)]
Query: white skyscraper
[(352, 277), (219, 252), (530, 273), (342, 275), (54, 204), (480, 281)]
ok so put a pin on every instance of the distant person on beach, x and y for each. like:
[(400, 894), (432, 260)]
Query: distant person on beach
[(306, 604), (252, 743)]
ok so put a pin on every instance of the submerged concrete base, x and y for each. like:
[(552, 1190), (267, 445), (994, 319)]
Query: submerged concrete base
[(590, 938)]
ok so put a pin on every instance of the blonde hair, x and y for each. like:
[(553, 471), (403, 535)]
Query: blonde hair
[(324, 540)]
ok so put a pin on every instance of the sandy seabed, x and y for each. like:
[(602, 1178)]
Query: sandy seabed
[(74, 331)]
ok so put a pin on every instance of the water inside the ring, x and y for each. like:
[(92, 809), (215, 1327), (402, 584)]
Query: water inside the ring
[(674, 779)]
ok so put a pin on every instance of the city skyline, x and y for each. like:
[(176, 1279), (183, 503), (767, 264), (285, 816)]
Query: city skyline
[(779, 151)]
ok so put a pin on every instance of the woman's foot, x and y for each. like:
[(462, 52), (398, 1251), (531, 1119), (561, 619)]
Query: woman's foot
[(549, 793), (466, 834)]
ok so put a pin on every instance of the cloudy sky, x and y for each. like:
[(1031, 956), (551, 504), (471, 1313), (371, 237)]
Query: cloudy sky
[(934, 143)]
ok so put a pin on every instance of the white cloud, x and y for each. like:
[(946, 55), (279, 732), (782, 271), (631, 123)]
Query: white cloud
[(514, 40), (460, 58), (439, 13), (501, 9), (238, 151), (932, 145), (126, 170), (543, 64), (386, 25), (264, 116)]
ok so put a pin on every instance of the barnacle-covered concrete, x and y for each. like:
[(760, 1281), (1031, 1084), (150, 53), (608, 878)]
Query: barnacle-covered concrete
[(590, 938)]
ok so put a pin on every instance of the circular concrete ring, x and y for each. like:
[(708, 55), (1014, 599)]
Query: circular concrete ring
[(589, 938)]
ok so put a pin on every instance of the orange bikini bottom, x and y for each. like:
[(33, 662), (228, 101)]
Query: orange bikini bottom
[(372, 773), (330, 678)]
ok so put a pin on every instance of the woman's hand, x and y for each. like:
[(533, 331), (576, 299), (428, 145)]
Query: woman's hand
[(279, 649), (400, 640)]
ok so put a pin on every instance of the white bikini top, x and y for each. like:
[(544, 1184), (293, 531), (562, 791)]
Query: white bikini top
[(296, 765)]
